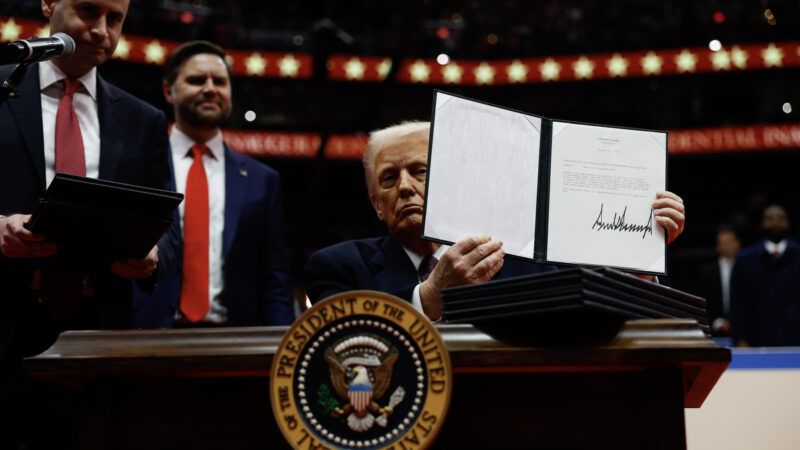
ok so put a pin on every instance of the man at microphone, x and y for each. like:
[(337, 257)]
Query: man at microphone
[(66, 118)]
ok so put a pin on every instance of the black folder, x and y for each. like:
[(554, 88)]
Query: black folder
[(600, 292), (98, 221)]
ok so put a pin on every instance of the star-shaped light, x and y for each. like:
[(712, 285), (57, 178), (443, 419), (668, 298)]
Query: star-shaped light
[(739, 57), (517, 72), (773, 56), (123, 49), (43, 32), (651, 64), (686, 61), (721, 60), (583, 67), (484, 73), (617, 66), (10, 31), (255, 64), (354, 69), (154, 52), (452, 73), (419, 71), (289, 66), (550, 69), (384, 67)]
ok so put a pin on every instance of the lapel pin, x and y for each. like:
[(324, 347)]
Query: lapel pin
[(242, 172)]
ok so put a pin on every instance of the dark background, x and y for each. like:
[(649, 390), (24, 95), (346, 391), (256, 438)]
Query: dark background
[(325, 200)]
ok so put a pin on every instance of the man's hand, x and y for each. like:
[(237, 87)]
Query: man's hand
[(721, 325), (472, 260), (17, 242), (135, 267), (670, 213)]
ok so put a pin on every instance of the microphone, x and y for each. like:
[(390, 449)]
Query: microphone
[(37, 49)]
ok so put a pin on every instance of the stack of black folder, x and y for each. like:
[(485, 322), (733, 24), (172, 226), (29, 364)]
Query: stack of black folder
[(98, 221), (600, 292)]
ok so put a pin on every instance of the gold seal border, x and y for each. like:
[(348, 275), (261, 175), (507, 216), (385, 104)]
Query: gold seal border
[(423, 431)]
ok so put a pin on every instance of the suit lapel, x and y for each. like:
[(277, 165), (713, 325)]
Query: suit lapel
[(111, 114), (27, 110), (236, 179), (393, 268)]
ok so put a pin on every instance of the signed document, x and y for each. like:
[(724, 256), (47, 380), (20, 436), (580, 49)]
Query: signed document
[(603, 181), (551, 191)]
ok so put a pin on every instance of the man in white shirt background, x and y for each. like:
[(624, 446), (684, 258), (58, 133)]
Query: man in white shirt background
[(714, 281)]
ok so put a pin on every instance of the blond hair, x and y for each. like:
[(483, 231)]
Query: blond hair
[(380, 139)]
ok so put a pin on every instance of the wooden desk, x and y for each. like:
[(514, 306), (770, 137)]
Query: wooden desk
[(208, 388)]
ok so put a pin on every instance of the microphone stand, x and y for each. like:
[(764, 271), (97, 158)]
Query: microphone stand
[(9, 86)]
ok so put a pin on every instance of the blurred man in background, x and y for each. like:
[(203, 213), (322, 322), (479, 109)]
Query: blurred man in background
[(715, 281), (765, 286)]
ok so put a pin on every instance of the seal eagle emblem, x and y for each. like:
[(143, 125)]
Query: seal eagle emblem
[(363, 370), (360, 369)]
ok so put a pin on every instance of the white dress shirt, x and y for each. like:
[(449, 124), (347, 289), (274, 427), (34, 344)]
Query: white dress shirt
[(725, 269), (214, 165), (84, 102), (773, 247)]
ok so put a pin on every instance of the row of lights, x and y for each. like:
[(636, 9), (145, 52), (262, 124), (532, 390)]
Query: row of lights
[(250, 115), (492, 39), (444, 59), (718, 17)]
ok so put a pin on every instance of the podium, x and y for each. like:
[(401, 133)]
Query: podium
[(209, 388)]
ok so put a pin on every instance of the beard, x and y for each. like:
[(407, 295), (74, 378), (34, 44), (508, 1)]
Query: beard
[(194, 116), (776, 235)]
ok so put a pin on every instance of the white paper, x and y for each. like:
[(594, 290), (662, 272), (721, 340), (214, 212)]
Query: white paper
[(483, 174), (602, 184)]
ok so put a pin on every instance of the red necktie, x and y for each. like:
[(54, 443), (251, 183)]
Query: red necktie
[(62, 288), (70, 156), (194, 287)]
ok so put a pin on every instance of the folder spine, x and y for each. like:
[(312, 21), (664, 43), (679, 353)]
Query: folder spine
[(543, 194)]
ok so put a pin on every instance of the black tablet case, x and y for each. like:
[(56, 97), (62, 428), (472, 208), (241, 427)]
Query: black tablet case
[(97, 221)]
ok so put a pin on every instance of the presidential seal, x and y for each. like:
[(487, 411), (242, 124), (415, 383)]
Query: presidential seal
[(362, 370)]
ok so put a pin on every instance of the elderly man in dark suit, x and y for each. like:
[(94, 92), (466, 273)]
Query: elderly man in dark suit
[(404, 264)]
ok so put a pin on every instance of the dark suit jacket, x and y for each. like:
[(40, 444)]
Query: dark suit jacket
[(379, 264), (255, 281), (765, 296), (710, 287), (133, 149)]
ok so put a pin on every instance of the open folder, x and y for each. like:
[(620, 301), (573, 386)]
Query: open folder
[(98, 221), (552, 191)]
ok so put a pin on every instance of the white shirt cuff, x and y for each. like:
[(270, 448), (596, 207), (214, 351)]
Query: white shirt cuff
[(416, 301)]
